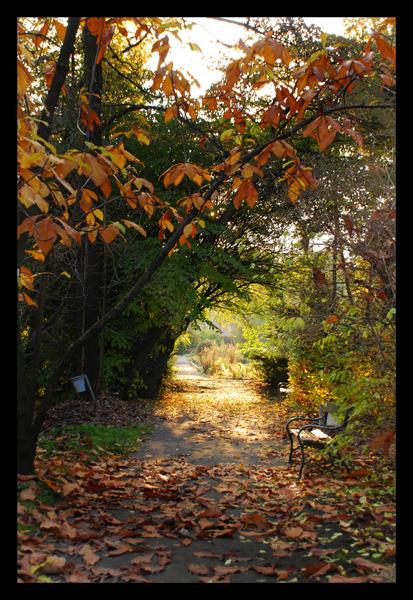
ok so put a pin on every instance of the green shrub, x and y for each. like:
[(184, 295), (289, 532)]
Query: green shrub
[(274, 369)]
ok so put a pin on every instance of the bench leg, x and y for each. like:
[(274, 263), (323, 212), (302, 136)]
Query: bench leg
[(302, 459), (290, 458)]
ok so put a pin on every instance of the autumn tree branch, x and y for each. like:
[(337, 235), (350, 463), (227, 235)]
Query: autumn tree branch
[(147, 275), (62, 67)]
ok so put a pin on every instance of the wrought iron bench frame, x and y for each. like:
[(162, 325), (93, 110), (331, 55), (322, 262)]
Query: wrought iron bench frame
[(329, 409)]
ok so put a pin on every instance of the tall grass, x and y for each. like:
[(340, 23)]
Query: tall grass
[(223, 360)]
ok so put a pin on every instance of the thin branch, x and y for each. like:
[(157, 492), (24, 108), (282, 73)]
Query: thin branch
[(244, 25)]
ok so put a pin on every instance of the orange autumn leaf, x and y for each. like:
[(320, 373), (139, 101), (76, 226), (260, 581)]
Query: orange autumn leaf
[(233, 73), (109, 233), (23, 79), (197, 569), (247, 192)]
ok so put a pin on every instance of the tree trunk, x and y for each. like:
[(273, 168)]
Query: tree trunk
[(157, 369), (334, 260), (141, 354)]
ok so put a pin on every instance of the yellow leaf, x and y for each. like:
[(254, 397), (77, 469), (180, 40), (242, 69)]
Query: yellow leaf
[(188, 230), (247, 171), (143, 138), (90, 219), (36, 255), (198, 200), (225, 135), (98, 214), (231, 160), (66, 274), (41, 203), (194, 47)]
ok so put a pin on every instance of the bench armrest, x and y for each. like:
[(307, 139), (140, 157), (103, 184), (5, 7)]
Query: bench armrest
[(302, 418)]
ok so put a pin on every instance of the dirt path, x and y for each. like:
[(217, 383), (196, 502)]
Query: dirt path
[(211, 421), (208, 498)]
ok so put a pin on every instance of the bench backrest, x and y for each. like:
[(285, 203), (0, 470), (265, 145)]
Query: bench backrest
[(329, 412)]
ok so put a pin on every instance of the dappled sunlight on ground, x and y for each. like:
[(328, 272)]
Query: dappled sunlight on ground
[(208, 498)]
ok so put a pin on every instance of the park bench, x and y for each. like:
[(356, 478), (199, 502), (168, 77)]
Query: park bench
[(316, 432)]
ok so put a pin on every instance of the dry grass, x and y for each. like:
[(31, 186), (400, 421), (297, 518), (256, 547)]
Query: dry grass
[(224, 360)]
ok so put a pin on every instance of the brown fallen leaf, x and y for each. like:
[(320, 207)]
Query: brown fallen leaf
[(130, 576), (229, 532), (88, 555), (210, 512), (68, 488), (341, 579), (390, 552), (28, 494), (21, 477), (367, 564), (107, 571), (283, 574), (186, 541), (142, 559), (280, 545), (205, 524), (317, 569), (265, 570), (122, 549), (323, 551), (257, 520), (207, 554), (77, 577), (54, 564), (197, 569), (229, 570), (293, 532), (152, 568)]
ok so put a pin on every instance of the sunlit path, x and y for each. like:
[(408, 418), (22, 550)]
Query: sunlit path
[(216, 420)]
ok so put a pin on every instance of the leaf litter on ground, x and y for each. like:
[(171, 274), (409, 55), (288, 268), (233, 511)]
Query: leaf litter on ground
[(146, 514)]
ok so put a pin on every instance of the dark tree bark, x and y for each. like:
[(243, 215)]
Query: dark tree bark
[(62, 68), (157, 369), (26, 378), (141, 352)]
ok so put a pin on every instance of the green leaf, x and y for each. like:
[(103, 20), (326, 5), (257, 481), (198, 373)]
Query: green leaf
[(121, 227), (390, 314), (225, 135)]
